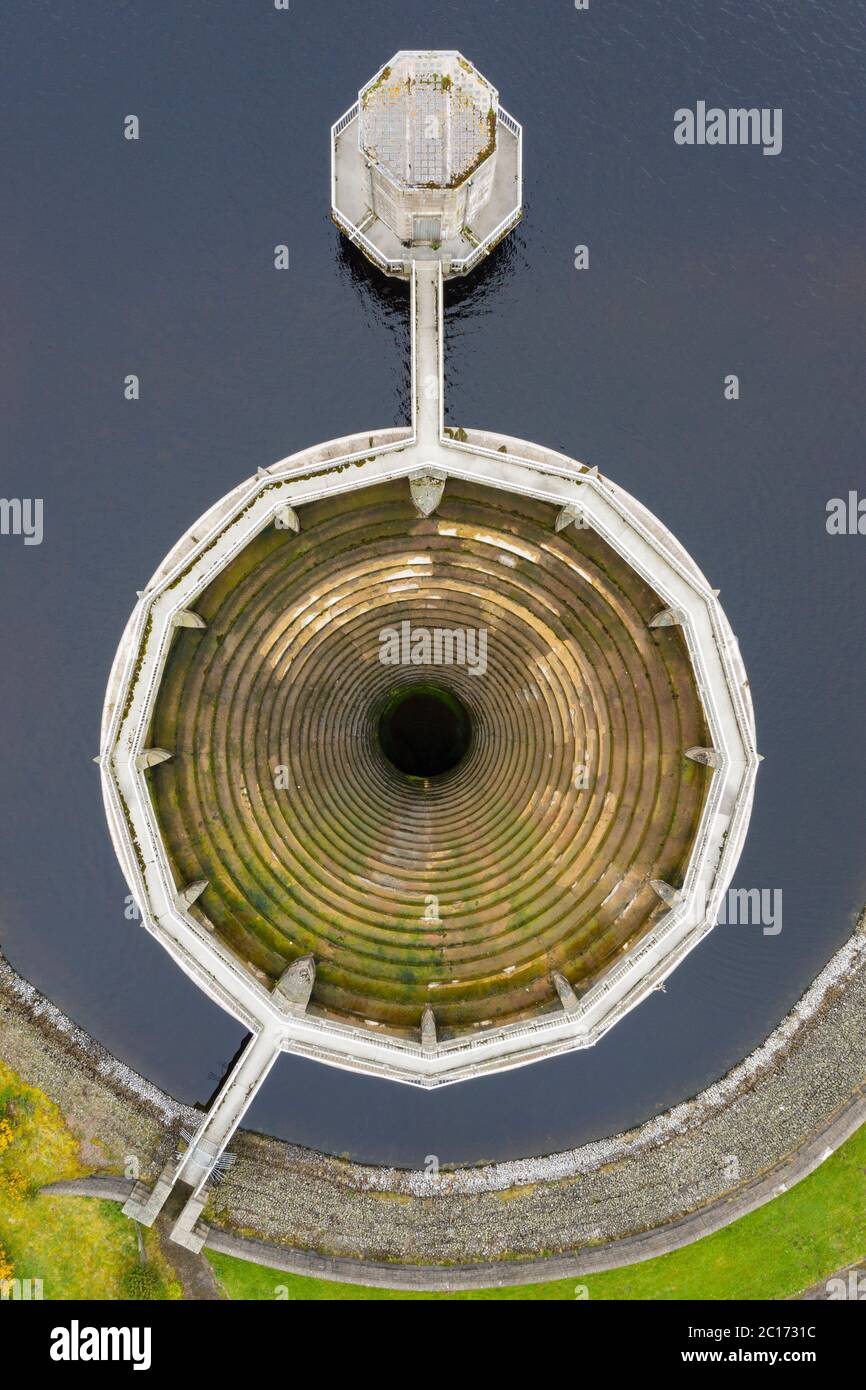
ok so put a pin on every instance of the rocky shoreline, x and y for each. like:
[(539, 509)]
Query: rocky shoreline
[(695, 1167), (124, 1122)]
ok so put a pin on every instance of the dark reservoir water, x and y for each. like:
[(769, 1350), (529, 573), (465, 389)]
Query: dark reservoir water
[(156, 257)]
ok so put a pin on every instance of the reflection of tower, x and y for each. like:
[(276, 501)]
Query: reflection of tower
[(267, 776), (426, 161)]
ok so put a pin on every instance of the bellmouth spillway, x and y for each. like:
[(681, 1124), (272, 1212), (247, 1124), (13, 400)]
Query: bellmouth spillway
[(503, 874)]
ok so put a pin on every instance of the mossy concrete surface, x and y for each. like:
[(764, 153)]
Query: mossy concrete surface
[(539, 850)]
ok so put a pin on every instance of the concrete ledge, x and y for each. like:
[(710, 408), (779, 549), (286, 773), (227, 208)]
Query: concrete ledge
[(103, 1185)]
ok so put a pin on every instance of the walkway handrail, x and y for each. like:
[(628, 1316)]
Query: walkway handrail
[(345, 120), (355, 235)]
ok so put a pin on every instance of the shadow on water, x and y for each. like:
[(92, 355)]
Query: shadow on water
[(218, 1078), (386, 300)]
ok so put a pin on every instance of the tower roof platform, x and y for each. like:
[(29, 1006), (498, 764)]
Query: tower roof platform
[(429, 119), (427, 165)]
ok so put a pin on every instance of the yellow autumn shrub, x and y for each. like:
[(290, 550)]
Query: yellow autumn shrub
[(7, 1134), (13, 1185)]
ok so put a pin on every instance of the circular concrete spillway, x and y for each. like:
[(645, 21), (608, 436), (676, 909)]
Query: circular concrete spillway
[(427, 862), (533, 853)]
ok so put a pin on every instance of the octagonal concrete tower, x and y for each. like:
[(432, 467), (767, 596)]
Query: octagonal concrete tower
[(426, 165), (428, 131)]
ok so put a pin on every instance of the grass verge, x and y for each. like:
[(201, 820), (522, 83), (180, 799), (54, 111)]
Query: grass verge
[(80, 1248)]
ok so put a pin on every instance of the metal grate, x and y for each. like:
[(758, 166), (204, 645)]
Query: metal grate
[(427, 125)]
